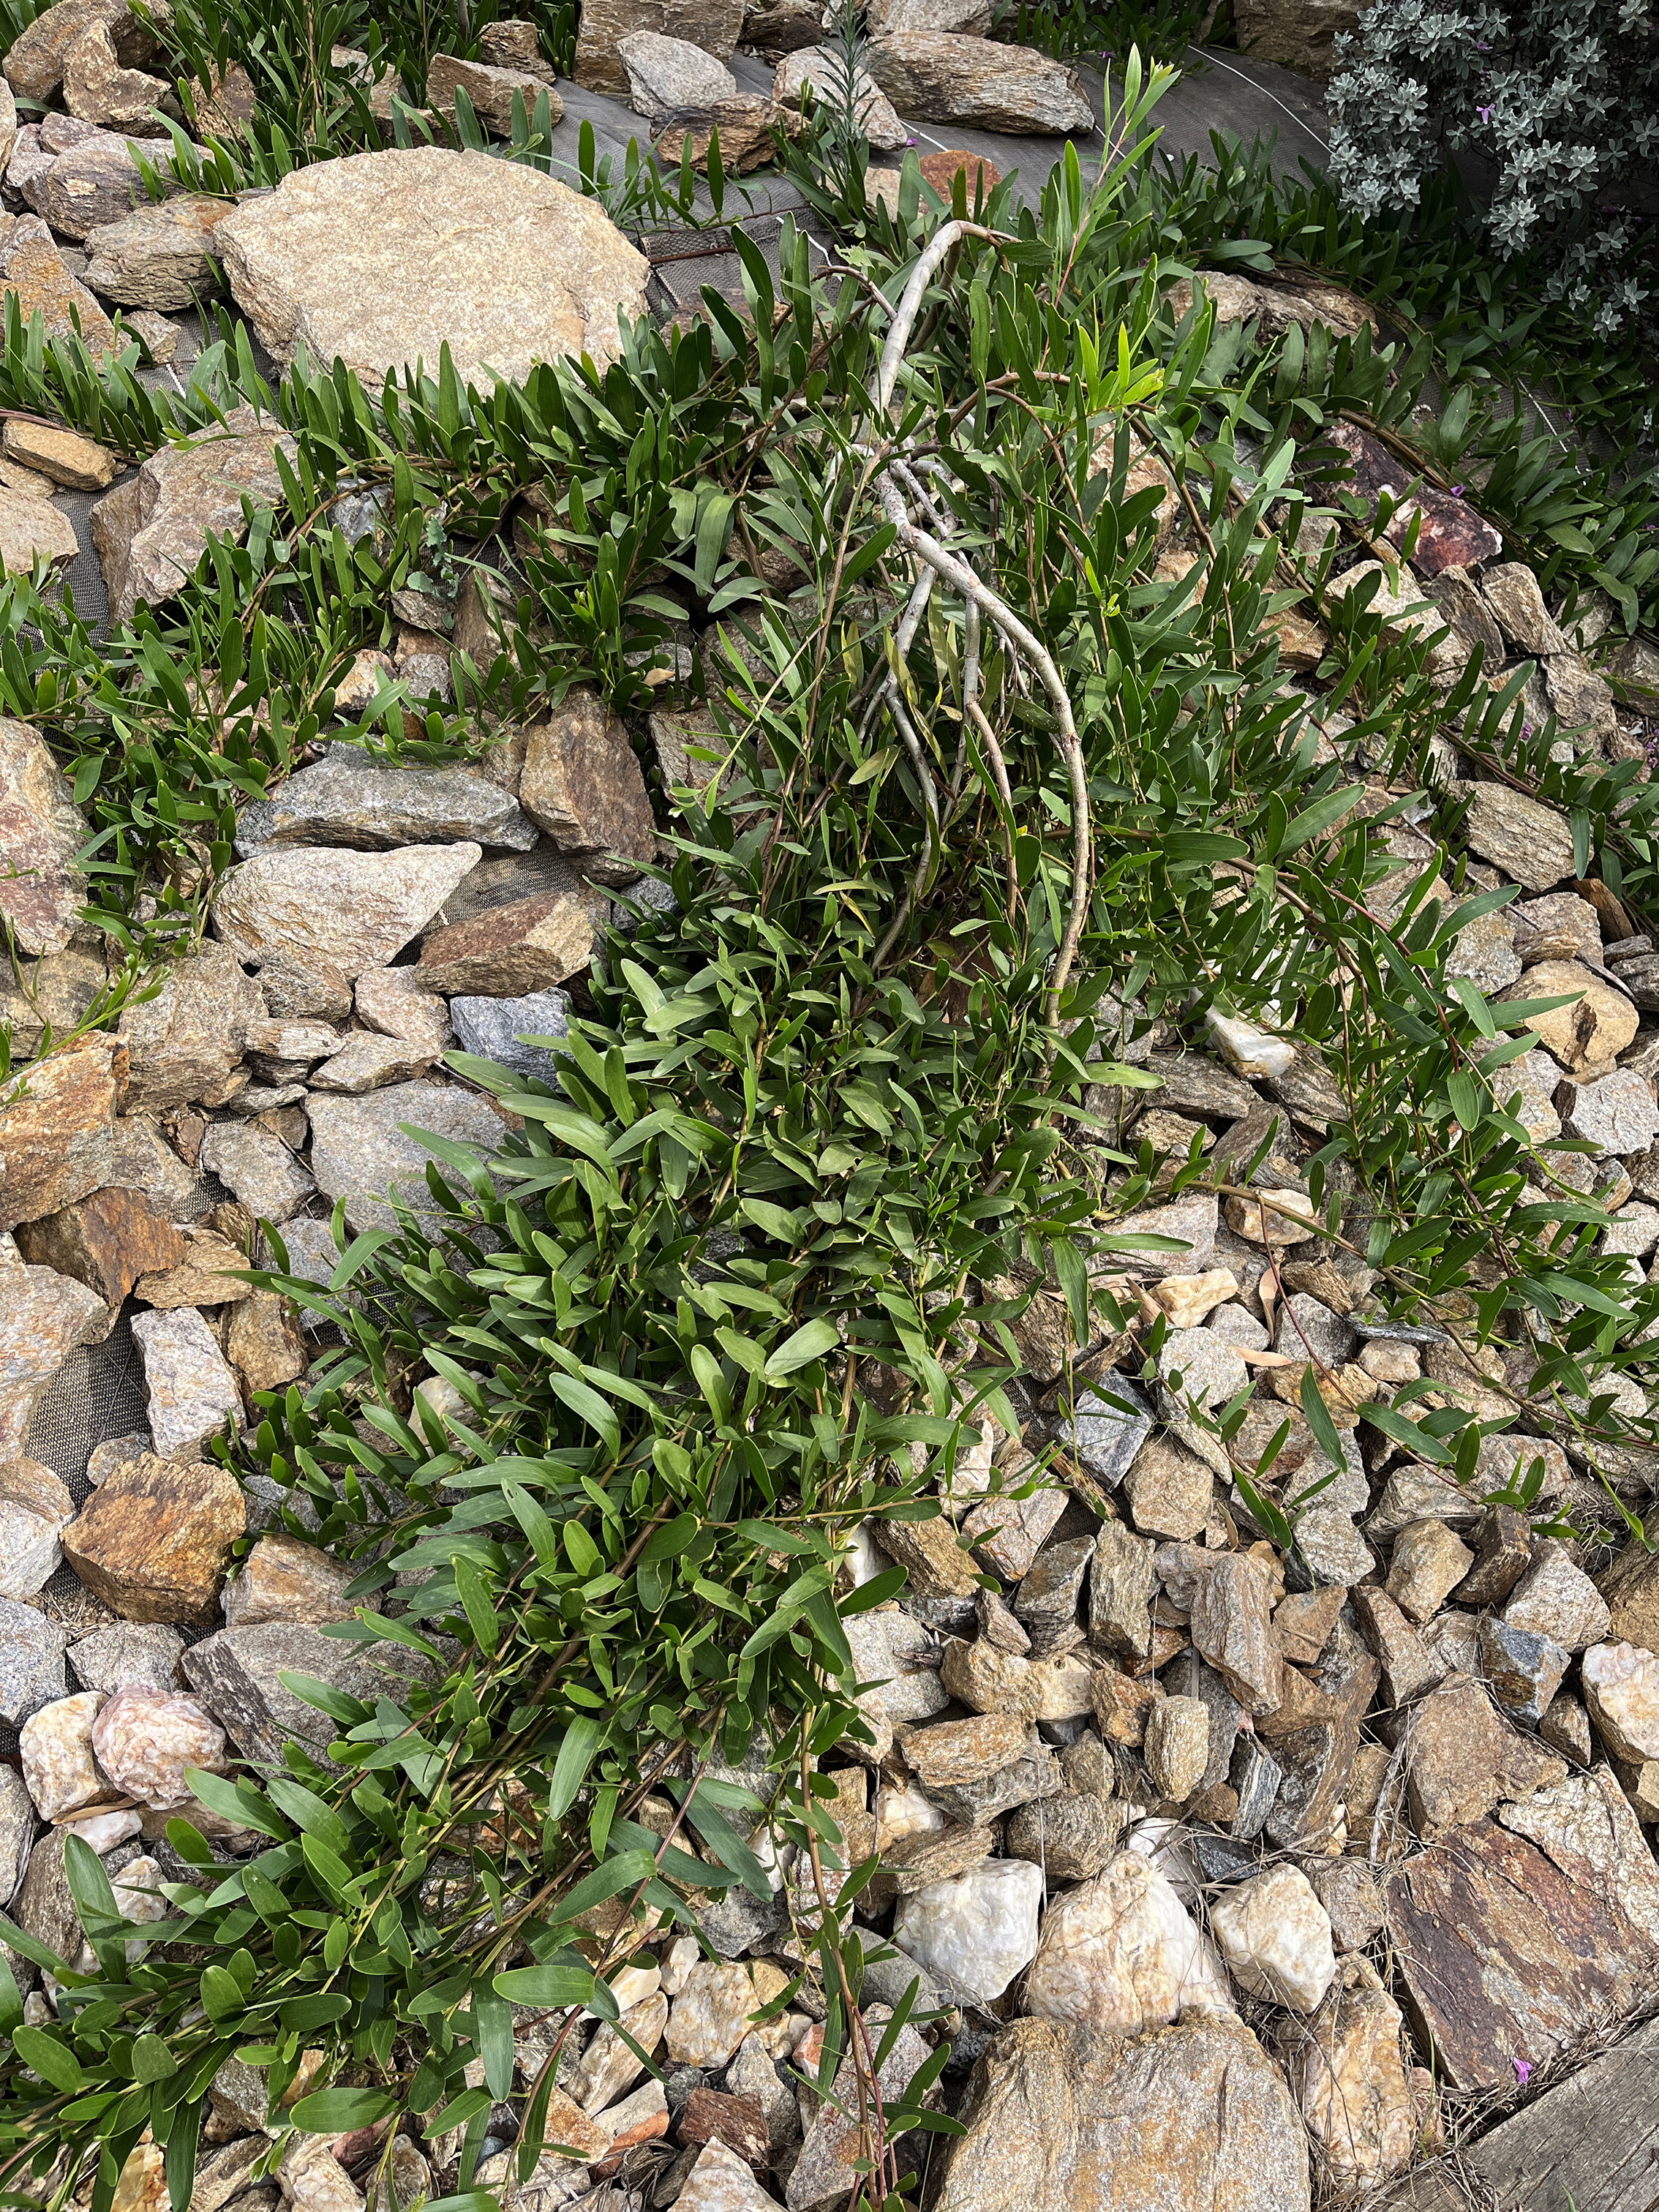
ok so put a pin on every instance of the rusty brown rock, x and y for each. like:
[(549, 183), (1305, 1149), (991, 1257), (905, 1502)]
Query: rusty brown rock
[(153, 1541), (930, 1551), (746, 124), (107, 1240), (1461, 1759), (712, 2116), (263, 1343), (509, 951), (286, 1580), (1505, 1957), (58, 1128), (203, 1276), (582, 784), (963, 1751)]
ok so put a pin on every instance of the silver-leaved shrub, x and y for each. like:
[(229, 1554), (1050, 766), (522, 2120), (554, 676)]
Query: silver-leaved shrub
[(1562, 98)]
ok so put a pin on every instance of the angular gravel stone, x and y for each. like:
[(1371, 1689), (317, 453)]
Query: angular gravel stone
[(979, 1929), (283, 1579), (161, 255), (391, 1001), (1429, 1562), (152, 529), (1522, 1668), (1193, 2119), (108, 1240), (1555, 1598), (153, 1539), (1070, 1836), (343, 800), (1122, 1584), (1121, 1955), (1275, 1936), (949, 77), (1177, 1746), (235, 1672), (55, 1744), (34, 1509), (258, 1168), (1511, 591), (490, 89), (43, 831), (352, 909), (664, 74), (1103, 1438), (1527, 839), (59, 1122), (1621, 1689), (139, 1654), (1617, 1113), (193, 1391), (509, 951), (821, 68), (493, 1028), (358, 1150), (43, 1317), (31, 1661)]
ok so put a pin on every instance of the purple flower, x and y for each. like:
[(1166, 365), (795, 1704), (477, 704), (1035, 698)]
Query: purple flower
[(1526, 729), (1457, 491), (1522, 2071), (1481, 46), (1485, 114)]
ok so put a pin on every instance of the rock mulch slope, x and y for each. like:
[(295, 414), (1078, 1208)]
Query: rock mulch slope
[(1230, 1874)]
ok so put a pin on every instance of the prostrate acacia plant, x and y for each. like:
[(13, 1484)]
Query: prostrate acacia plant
[(973, 787), (1566, 106)]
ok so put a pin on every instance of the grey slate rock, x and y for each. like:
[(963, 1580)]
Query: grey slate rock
[(738, 1923), (491, 1028), (974, 1803), (31, 1661), (345, 800), (235, 1674), (18, 1822), (1257, 1775), (129, 1654), (1103, 1439)]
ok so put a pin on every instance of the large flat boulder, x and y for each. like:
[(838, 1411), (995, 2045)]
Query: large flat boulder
[(382, 259)]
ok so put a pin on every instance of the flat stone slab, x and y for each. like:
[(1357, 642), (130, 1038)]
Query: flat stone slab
[(380, 260), (1588, 2143), (1505, 1959)]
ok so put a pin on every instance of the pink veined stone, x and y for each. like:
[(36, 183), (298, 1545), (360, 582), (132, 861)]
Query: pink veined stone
[(147, 1739)]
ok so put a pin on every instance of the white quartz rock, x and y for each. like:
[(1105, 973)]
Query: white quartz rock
[(56, 1744), (710, 2015), (1250, 1052), (1621, 1688), (903, 1810), (1121, 1953), (147, 1740), (978, 1928), (677, 1960), (1276, 1936)]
